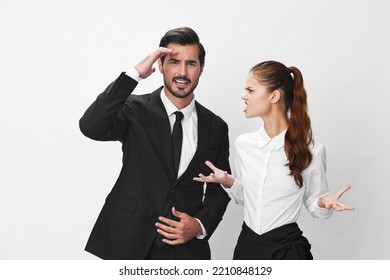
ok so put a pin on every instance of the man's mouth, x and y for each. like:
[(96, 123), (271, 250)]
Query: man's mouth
[(181, 82)]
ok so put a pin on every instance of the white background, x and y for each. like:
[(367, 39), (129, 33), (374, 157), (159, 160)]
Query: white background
[(57, 56)]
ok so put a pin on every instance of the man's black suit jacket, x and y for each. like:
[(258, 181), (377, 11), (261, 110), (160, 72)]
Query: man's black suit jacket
[(146, 187)]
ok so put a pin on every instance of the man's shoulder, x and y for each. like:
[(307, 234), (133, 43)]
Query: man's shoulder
[(214, 117), (143, 98)]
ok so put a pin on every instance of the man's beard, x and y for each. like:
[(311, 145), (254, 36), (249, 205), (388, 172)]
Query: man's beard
[(179, 93)]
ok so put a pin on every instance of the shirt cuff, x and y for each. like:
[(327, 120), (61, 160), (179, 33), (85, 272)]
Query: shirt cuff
[(236, 185), (133, 73), (235, 191), (323, 212), (204, 232)]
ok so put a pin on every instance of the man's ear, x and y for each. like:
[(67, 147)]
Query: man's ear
[(276, 95), (201, 69), (160, 66)]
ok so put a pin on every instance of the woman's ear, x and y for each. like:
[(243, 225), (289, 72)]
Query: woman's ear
[(276, 95)]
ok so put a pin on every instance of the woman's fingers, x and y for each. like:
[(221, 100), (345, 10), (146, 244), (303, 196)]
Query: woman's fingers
[(211, 166), (343, 190)]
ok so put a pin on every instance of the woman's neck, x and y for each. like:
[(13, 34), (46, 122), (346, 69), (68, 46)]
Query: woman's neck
[(275, 125)]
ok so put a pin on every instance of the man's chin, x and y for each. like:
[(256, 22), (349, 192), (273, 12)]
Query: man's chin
[(181, 93)]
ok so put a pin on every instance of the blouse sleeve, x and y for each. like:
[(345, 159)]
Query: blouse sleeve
[(316, 184), (236, 192)]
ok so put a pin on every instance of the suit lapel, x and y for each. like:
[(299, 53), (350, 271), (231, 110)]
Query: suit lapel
[(203, 137), (164, 131)]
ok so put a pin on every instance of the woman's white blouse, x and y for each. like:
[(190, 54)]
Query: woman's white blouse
[(270, 196)]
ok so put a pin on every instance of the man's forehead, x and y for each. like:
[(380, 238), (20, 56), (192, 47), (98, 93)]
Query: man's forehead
[(186, 52)]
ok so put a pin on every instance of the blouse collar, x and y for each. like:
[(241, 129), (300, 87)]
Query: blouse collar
[(277, 141)]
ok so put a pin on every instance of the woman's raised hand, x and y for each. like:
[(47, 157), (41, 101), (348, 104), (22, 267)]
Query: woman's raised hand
[(216, 176), (331, 201)]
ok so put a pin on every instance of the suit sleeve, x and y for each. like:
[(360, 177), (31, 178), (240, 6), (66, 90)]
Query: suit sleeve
[(216, 199), (105, 119)]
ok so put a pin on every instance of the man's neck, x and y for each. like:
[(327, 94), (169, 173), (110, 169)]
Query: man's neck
[(180, 103)]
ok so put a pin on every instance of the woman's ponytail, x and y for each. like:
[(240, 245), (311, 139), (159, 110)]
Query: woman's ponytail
[(299, 133)]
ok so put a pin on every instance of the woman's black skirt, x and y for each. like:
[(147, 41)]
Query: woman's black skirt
[(282, 243)]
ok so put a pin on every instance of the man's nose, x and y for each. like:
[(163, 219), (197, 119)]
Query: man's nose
[(183, 69)]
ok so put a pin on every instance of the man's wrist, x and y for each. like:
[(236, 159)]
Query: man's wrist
[(203, 232), (134, 74)]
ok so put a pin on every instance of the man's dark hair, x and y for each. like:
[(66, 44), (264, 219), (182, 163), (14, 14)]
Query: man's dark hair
[(183, 36)]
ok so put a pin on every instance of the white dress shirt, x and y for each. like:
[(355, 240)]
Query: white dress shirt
[(270, 196), (190, 132)]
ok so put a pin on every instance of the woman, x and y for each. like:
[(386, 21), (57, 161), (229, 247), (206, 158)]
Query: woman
[(278, 168)]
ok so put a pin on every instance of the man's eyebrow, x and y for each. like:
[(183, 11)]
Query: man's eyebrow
[(187, 61)]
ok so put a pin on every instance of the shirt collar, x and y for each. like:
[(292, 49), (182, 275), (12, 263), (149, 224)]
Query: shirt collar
[(171, 108), (277, 141)]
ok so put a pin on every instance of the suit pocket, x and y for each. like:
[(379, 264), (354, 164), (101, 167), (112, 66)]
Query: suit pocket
[(121, 201)]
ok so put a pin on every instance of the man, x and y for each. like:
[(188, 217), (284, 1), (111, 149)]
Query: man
[(155, 209)]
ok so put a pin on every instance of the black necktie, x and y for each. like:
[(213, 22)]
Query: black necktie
[(177, 139)]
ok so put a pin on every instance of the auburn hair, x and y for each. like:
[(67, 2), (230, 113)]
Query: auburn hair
[(276, 76)]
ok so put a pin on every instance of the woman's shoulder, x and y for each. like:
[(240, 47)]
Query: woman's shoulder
[(316, 148), (247, 137)]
